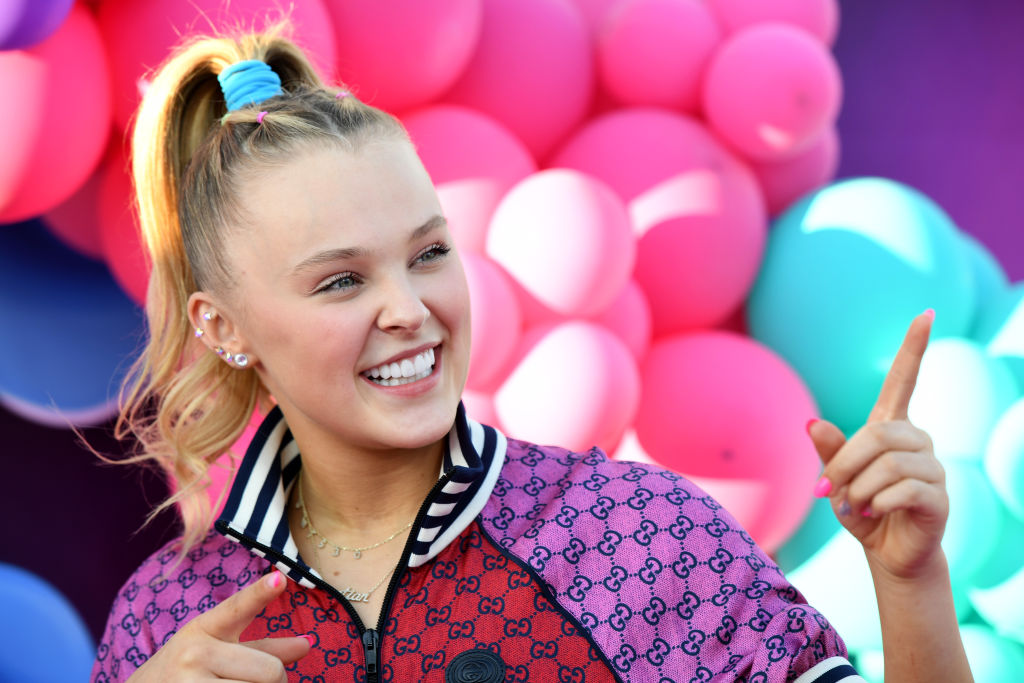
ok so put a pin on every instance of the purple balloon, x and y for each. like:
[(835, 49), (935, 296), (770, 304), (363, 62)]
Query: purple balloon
[(23, 23)]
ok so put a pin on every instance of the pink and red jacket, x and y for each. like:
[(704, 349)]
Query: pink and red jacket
[(525, 563)]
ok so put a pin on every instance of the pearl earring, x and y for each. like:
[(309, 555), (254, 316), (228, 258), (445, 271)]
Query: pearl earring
[(241, 360)]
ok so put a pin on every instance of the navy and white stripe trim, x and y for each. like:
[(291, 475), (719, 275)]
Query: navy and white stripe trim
[(831, 670), (256, 514)]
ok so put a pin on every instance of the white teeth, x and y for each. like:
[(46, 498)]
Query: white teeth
[(405, 371)]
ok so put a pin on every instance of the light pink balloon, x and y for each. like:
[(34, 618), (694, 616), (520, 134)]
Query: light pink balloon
[(820, 18), (404, 53), (771, 90), (473, 161), (480, 407), (532, 70), (497, 323), (56, 117), (629, 316), (566, 238), (730, 414), (222, 472), (140, 35), (654, 52), (575, 387), (698, 210), (783, 182)]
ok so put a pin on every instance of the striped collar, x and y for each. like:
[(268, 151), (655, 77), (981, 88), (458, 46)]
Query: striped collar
[(255, 514)]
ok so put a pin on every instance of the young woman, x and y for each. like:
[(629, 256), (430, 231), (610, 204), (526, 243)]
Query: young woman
[(374, 532)]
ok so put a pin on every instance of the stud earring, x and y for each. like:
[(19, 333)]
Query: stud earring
[(207, 316), (241, 360), (199, 332)]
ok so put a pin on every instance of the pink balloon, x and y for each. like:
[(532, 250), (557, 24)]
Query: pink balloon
[(698, 210), (140, 35), (54, 127), (532, 70), (497, 322), (404, 53), (594, 13), (783, 182), (654, 52), (771, 90), (566, 238), (480, 407), (629, 317), (820, 18), (222, 472), (575, 387), (473, 161), (731, 415), (119, 232)]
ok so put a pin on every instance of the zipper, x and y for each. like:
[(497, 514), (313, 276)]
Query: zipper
[(369, 637)]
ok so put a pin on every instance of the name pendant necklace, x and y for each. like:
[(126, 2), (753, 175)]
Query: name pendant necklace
[(349, 593)]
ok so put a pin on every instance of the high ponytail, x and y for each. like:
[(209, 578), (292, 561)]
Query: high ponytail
[(183, 404)]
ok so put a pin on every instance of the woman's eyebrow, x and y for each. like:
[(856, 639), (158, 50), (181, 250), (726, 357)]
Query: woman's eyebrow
[(341, 254)]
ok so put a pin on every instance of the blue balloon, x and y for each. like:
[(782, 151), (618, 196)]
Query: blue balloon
[(845, 271), (70, 332), (42, 637), (24, 23), (993, 659)]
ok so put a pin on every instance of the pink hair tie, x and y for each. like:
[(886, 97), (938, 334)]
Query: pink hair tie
[(343, 93), (259, 117)]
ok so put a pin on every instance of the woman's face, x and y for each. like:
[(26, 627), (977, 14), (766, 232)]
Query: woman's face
[(351, 298)]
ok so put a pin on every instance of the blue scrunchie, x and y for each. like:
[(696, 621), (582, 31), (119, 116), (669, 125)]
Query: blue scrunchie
[(248, 82)]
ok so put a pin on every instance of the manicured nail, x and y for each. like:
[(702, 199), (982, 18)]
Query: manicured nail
[(310, 638), (844, 508), (275, 579), (930, 313), (823, 487), (810, 423), (866, 512)]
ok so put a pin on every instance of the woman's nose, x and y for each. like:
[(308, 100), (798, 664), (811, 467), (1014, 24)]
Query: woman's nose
[(402, 307)]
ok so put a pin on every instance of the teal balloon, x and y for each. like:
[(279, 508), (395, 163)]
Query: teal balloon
[(961, 392), (1000, 328), (990, 279), (993, 658), (818, 527), (975, 521), (845, 271), (1004, 458), (998, 590), (870, 664)]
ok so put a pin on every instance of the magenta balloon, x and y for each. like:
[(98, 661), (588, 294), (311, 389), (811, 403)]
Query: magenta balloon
[(532, 70), (783, 182), (729, 413), (566, 238), (594, 13), (497, 322), (140, 35), (820, 18), (76, 220), (770, 90), (473, 160), (54, 127), (629, 316), (698, 210), (404, 53), (575, 387), (654, 52), (119, 232)]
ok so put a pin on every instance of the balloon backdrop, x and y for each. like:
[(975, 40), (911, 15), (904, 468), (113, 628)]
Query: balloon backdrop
[(497, 322), (999, 325), (1004, 458), (23, 23), (820, 18), (783, 182)]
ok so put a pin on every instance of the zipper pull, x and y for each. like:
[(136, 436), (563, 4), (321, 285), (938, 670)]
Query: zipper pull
[(371, 641)]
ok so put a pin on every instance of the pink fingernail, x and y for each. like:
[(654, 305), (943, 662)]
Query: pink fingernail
[(275, 579), (822, 488), (866, 512), (810, 423), (930, 313), (310, 638)]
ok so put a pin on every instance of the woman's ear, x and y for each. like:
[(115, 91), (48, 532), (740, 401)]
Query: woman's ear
[(214, 326)]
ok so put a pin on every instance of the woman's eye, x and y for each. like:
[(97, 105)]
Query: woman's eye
[(434, 252), (341, 282)]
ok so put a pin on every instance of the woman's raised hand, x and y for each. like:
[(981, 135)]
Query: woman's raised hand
[(207, 648), (885, 484)]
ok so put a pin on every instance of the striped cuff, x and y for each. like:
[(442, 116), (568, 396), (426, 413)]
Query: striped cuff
[(832, 670)]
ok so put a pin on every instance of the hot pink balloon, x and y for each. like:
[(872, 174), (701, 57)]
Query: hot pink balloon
[(497, 322), (629, 316), (783, 182), (532, 70), (820, 18), (480, 407), (473, 161), (54, 126), (404, 53), (594, 13), (141, 35), (575, 387), (566, 238), (698, 210), (771, 90), (119, 232), (654, 52), (730, 414)]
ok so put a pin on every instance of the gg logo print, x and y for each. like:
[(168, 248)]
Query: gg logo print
[(566, 516), (645, 534), (624, 660), (639, 499), (548, 649), (687, 607), (574, 550), (539, 557), (616, 576), (652, 567), (654, 611), (602, 507), (694, 639), (620, 617), (725, 631), (725, 591), (611, 541), (658, 651), (721, 561), (577, 592), (405, 645)]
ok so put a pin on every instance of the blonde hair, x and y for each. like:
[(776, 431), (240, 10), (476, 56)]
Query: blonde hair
[(183, 404)]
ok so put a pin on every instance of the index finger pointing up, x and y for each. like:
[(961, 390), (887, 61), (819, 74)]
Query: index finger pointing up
[(227, 620), (894, 399)]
